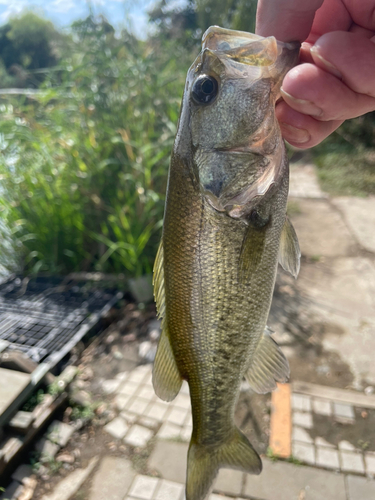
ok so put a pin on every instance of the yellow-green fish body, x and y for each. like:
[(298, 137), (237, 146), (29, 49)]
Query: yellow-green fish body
[(216, 266)]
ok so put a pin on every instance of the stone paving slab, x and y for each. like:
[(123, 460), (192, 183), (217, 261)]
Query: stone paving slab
[(345, 285), (60, 433), (359, 214), (151, 488), (324, 393), (12, 384), (117, 428), (22, 472), (68, 486), (229, 481), (303, 182), (321, 230), (284, 481), (112, 480), (360, 488), (169, 458)]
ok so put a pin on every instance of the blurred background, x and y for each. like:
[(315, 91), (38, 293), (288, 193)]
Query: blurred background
[(89, 103)]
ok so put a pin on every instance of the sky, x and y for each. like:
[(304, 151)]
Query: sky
[(63, 12)]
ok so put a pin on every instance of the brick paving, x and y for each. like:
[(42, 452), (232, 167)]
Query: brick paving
[(345, 456), (142, 414)]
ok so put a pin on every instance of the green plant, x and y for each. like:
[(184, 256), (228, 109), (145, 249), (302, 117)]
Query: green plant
[(271, 455), (83, 412), (56, 388), (53, 465), (83, 164), (294, 460), (36, 398)]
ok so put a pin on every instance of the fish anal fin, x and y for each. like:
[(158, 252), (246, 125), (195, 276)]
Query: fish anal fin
[(289, 251), (269, 365), (166, 377), (205, 462)]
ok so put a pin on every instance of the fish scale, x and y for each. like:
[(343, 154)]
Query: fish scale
[(216, 266)]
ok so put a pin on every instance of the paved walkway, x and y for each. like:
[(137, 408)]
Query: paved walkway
[(143, 417), (337, 277), (338, 280)]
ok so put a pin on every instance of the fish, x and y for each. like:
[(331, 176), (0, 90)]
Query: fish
[(225, 230)]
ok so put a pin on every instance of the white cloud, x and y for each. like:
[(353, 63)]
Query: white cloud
[(61, 6)]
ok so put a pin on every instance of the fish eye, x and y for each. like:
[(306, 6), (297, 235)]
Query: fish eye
[(204, 89)]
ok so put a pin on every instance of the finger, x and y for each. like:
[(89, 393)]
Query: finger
[(354, 28), (350, 56), (303, 131), (332, 16), (287, 20), (312, 91), (362, 12)]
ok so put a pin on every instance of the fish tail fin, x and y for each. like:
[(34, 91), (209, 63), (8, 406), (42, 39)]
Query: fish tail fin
[(204, 463)]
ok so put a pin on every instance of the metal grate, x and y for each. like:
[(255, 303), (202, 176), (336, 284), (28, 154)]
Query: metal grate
[(44, 317)]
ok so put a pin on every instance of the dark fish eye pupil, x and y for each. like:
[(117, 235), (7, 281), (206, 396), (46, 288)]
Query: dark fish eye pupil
[(204, 89), (207, 86)]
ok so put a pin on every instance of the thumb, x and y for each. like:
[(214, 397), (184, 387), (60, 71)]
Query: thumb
[(287, 20)]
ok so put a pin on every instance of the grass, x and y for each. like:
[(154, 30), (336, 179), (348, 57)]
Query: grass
[(347, 173), (346, 160)]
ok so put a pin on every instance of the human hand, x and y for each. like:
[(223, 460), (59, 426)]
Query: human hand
[(336, 78)]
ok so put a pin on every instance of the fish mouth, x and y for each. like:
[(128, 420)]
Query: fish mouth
[(250, 49)]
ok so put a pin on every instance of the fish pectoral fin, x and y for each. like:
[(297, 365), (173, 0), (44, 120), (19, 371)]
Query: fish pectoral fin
[(166, 377), (289, 251), (204, 463), (269, 365), (251, 253)]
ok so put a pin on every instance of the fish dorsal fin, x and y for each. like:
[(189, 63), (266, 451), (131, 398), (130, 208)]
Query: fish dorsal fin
[(289, 251), (269, 365), (166, 377)]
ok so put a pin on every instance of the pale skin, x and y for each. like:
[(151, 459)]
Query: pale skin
[(336, 78)]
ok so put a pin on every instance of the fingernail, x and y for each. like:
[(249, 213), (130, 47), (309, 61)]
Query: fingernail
[(294, 134), (329, 66), (302, 105)]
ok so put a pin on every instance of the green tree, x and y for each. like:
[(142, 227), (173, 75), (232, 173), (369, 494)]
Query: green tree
[(187, 24), (28, 43)]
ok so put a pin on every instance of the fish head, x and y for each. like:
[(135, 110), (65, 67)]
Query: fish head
[(228, 116)]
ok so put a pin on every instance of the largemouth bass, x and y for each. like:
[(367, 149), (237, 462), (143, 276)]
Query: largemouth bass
[(225, 228)]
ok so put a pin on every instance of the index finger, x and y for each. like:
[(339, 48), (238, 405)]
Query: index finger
[(287, 20)]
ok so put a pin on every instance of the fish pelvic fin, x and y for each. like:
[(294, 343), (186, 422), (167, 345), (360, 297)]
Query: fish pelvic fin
[(268, 366), (166, 377), (289, 251), (204, 463)]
